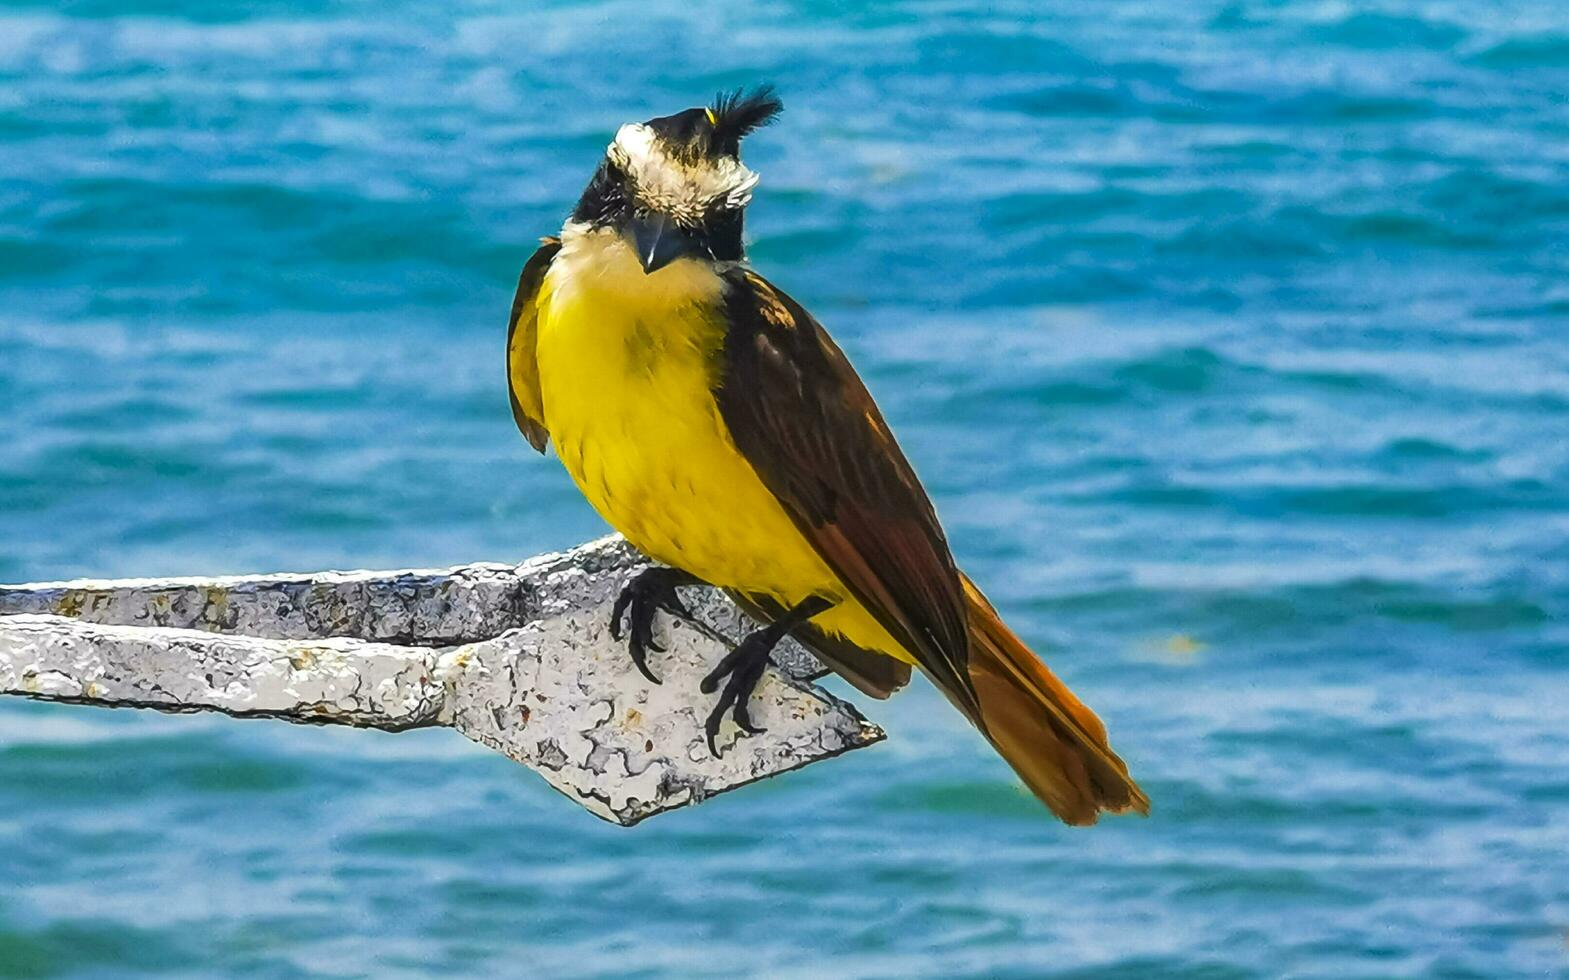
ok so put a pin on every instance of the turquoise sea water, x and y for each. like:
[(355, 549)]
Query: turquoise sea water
[(1232, 340)]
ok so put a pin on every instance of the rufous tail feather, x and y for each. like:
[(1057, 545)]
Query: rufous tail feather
[(1056, 744)]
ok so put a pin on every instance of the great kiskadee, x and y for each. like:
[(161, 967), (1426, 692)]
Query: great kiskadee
[(713, 422)]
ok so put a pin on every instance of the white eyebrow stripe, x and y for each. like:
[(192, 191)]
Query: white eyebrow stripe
[(670, 184), (636, 142)]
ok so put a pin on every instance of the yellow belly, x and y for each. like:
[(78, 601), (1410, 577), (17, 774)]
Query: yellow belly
[(627, 365)]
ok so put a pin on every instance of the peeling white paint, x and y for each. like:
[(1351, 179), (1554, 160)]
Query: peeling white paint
[(516, 658)]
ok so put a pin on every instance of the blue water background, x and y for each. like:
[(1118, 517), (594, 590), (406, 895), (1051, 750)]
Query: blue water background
[(1230, 339)]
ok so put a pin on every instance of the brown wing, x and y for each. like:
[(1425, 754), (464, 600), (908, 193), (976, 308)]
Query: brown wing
[(522, 370), (803, 419)]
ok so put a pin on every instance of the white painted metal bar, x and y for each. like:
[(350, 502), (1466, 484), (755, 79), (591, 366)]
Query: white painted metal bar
[(517, 658)]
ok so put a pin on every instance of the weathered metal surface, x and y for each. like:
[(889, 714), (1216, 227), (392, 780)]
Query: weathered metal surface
[(416, 607), (342, 681), (517, 658)]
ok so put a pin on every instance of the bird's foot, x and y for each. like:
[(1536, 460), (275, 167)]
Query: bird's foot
[(741, 670), (650, 590), (743, 667)]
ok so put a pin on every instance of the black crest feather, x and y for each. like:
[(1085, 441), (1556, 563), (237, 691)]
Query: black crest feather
[(741, 112)]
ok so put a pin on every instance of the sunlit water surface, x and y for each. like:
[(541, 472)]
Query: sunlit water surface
[(1229, 338)]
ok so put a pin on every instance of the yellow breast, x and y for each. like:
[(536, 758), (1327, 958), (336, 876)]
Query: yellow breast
[(627, 367)]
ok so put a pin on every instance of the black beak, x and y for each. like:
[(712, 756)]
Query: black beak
[(660, 241)]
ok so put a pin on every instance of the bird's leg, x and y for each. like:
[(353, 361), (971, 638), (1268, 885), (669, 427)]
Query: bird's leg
[(650, 590), (744, 667)]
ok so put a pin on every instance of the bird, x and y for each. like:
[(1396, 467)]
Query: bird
[(712, 421)]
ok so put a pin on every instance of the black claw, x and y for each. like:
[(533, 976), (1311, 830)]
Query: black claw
[(711, 730), (641, 629), (616, 611), (737, 692), (742, 668), (649, 591), (742, 714), (639, 654), (727, 666), (742, 717)]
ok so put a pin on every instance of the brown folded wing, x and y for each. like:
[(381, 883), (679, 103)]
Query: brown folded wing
[(522, 369), (800, 415)]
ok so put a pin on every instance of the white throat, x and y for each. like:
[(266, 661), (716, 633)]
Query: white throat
[(601, 262)]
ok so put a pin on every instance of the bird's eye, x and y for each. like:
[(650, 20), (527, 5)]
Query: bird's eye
[(713, 120)]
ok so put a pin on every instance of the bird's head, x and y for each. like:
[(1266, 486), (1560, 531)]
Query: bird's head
[(675, 186)]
